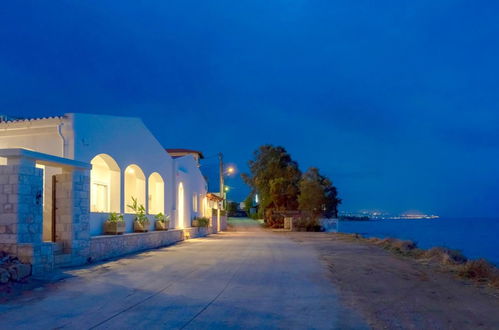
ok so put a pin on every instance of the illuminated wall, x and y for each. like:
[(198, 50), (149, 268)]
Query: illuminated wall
[(181, 206)]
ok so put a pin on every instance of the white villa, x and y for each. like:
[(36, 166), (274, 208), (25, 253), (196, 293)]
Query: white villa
[(61, 177)]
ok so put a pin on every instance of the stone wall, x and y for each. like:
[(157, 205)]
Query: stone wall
[(73, 214), (21, 216), (223, 222), (111, 246), (214, 223)]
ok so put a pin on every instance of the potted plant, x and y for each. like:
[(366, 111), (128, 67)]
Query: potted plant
[(114, 225), (194, 222), (162, 221), (200, 222), (141, 222)]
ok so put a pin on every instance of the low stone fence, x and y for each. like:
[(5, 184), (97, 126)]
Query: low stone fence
[(110, 246)]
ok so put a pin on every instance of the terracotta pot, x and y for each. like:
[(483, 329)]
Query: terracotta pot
[(139, 227), (162, 225), (114, 228)]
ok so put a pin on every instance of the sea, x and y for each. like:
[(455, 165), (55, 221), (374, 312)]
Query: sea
[(474, 237)]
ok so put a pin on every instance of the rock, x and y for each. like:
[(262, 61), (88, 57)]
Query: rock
[(19, 271), (4, 275)]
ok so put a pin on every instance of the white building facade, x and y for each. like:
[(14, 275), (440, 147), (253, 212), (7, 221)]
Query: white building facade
[(82, 167)]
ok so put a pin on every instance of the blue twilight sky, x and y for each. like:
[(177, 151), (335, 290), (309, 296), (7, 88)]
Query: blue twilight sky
[(396, 101)]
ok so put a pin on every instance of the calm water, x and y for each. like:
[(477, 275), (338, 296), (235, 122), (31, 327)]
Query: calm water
[(476, 238)]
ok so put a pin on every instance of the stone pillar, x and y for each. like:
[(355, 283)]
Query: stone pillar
[(21, 214), (73, 214), (218, 219)]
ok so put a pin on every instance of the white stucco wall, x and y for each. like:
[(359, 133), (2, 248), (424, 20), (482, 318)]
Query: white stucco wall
[(127, 140), (194, 183), (42, 135)]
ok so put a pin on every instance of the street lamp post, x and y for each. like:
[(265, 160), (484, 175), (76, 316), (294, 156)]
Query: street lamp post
[(230, 170)]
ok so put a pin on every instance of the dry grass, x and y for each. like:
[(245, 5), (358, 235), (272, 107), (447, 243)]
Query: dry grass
[(444, 256), (495, 282), (477, 270)]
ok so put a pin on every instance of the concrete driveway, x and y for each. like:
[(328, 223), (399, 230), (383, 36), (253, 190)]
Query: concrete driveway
[(247, 278)]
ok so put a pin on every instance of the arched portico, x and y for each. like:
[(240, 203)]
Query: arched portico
[(135, 186), (156, 189), (104, 184)]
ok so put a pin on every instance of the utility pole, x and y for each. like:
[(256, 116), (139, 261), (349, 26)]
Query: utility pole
[(221, 165)]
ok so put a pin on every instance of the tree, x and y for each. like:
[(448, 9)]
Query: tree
[(248, 203), (332, 200), (312, 197), (275, 178), (232, 208), (318, 197)]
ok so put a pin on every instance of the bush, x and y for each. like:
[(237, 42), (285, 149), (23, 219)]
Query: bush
[(202, 221), (404, 247), (445, 256), (396, 245), (115, 217), (140, 212), (495, 281), (161, 217), (274, 220), (478, 270), (307, 224)]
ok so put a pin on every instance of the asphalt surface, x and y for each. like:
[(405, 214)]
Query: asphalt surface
[(247, 278)]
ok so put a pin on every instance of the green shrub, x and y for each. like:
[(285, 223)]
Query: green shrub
[(202, 221), (307, 224), (140, 212), (115, 217), (161, 217)]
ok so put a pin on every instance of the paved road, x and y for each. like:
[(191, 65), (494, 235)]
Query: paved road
[(248, 278)]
